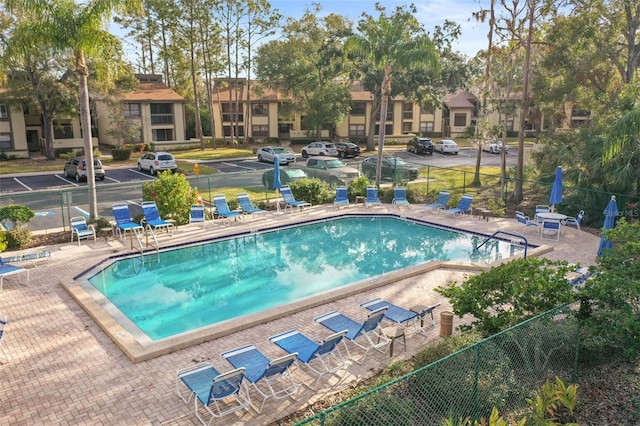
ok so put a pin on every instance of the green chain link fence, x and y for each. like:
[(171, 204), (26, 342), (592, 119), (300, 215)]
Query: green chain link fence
[(500, 371)]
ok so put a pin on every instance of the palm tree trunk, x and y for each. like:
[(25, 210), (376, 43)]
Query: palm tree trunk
[(85, 122), (384, 104)]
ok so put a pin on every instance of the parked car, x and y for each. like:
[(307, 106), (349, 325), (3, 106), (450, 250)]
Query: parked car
[(287, 176), (347, 149), (268, 153), (494, 147), (394, 168), (420, 146), (319, 148), (155, 162), (76, 168), (331, 170), (446, 146)]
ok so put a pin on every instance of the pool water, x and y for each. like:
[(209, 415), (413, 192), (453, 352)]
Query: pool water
[(188, 288)]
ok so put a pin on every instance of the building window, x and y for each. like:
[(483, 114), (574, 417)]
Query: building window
[(160, 135), (237, 130), (230, 113), (388, 129), (132, 110), (161, 114), (260, 109), (407, 127), (4, 113), (460, 120), (356, 130), (389, 114), (509, 125), (5, 141), (407, 111), (62, 129), (427, 109), (358, 108), (426, 126), (260, 130)]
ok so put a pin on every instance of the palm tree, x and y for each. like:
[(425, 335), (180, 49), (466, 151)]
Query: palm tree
[(77, 29), (391, 43)]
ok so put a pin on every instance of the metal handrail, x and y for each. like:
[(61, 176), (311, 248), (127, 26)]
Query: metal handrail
[(493, 236)]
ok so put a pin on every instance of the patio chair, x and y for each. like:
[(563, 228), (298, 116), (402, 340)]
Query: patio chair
[(321, 358), (197, 215), (124, 222), (289, 199), (269, 378), (541, 208), (152, 217), (464, 206), (400, 196), (81, 230), (574, 221), (550, 229), (372, 197), (3, 325), (366, 335), (247, 206), (441, 202), (8, 270), (342, 198), (413, 318), (219, 394), (525, 221), (222, 208)]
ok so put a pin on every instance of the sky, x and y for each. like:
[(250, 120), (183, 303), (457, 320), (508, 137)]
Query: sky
[(430, 13)]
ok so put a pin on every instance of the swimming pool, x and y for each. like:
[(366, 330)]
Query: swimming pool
[(192, 287)]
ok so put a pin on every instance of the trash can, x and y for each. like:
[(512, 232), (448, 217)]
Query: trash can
[(446, 323)]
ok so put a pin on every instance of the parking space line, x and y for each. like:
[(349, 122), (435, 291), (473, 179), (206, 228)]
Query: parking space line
[(110, 178), (66, 180), (81, 211), (20, 183), (140, 173), (238, 166)]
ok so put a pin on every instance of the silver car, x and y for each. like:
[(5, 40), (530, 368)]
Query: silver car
[(268, 153), (155, 162), (76, 168), (320, 148)]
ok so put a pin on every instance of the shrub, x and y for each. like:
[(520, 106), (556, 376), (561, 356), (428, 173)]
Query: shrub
[(16, 214), (357, 188), (3, 241), (444, 348), (64, 153), (172, 194), (18, 238), (312, 190), (121, 154)]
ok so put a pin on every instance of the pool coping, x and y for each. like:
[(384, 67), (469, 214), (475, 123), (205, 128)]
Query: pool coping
[(137, 352)]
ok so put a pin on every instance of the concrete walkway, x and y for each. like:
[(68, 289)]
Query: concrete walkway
[(65, 370)]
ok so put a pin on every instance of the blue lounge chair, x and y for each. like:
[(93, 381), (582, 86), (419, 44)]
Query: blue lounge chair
[(441, 202), (81, 230), (525, 221), (197, 215), (464, 206), (270, 378), (123, 220), (550, 229), (219, 394), (152, 217), (342, 198), (222, 208), (3, 324), (321, 358), (372, 197), (574, 221), (289, 199), (400, 196), (247, 206), (541, 208), (8, 270), (404, 317), (366, 335)]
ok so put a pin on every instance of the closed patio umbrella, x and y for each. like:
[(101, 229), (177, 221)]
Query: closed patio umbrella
[(610, 214), (277, 184), (556, 190)]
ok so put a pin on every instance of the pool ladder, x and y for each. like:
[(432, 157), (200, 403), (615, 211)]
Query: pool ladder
[(517, 236)]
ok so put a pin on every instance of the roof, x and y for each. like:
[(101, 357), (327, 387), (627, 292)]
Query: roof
[(153, 92), (460, 99)]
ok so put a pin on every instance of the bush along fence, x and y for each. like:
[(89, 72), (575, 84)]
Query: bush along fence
[(500, 372)]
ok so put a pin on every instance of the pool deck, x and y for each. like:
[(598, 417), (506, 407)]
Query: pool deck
[(65, 369)]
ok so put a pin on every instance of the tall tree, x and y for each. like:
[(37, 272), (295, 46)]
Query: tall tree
[(80, 30), (391, 43)]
